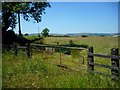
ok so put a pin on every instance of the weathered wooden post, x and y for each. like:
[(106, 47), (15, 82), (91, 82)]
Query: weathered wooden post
[(28, 50), (15, 49), (59, 48), (115, 64), (83, 60), (60, 56), (90, 59)]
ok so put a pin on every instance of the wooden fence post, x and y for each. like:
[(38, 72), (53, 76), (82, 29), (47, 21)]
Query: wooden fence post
[(83, 60), (60, 56), (115, 64), (15, 50), (90, 59), (28, 50)]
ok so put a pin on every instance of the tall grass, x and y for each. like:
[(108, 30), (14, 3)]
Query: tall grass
[(41, 71)]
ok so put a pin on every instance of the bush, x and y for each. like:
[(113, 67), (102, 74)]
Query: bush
[(26, 34), (41, 41), (84, 36), (71, 42)]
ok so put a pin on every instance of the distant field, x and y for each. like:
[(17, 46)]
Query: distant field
[(101, 44), (42, 71)]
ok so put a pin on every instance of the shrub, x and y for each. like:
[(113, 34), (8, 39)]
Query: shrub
[(71, 42), (41, 41), (26, 34), (84, 36)]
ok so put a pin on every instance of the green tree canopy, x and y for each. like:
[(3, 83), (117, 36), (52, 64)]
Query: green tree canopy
[(45, 32), (10, 10), (29, 10)]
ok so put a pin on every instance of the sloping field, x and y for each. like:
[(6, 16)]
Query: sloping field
[(43, 70)]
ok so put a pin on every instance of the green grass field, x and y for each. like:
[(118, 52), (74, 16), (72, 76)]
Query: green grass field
[(41, 71)]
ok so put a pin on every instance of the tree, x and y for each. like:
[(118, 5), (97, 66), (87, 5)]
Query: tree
[(27, 9), (45, 32), (26, 34)]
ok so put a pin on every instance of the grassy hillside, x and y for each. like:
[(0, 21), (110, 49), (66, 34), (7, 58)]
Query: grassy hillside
[(41, 71), (100, 44)]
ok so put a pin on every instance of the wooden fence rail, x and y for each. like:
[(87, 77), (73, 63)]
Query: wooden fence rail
[(114, 62), (56, 46), (27, 48), (104, 56)]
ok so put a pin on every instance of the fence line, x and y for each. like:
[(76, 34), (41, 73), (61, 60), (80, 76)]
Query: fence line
[(56, 46), (27, 48), (114, 57), (114, 62)]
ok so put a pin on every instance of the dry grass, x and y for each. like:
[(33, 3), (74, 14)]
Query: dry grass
[(42, 72)]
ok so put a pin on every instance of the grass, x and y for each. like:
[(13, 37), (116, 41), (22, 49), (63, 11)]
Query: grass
[(97, 42), (41, 70)]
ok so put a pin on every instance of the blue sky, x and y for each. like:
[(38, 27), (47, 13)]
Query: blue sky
[(76, 17)]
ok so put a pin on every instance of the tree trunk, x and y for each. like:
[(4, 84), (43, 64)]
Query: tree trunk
[(20, 34)]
